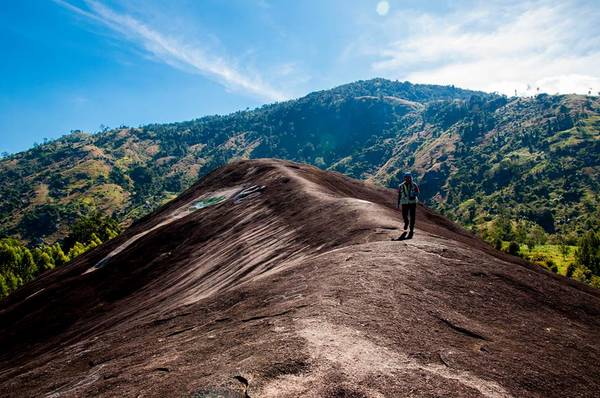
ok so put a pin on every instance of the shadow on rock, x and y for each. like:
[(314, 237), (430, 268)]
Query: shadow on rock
[(405, 235)]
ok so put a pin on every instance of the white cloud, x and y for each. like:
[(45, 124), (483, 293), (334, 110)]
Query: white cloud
[(546, 44), (175, 52), (383, 7)]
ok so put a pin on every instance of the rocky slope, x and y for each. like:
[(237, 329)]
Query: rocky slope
[(275, 279)]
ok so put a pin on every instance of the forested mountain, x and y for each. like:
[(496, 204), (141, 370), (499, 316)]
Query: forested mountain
[(533, 163)]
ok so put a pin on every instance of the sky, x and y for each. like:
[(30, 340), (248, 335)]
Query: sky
[(85, 64)]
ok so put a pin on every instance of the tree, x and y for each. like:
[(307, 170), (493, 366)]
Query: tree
[(588, 253), (118, 176), (94, 226), (19, 264), (77, 249), (43, 259), (58, 255), (498, 244), (521, 232), (513, 248), (536, 236), (502, 229), (43, 220), (581, 274)]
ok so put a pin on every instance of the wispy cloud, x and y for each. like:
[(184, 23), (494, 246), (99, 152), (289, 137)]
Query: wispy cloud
[(497, 47), (175, 52)]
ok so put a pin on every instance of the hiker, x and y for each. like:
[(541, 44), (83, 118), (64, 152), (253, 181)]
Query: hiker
[(407, 197)]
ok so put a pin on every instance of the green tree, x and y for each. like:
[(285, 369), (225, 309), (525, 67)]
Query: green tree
[(513, 248), (94, 226), (77, 249), (43, 260), (521, 232), (536, 236), (588, 253), (19, 264), (498, 244), (502, 229), (581, 274), (58, 255)]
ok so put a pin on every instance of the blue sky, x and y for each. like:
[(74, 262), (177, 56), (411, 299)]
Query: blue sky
[(79, 64)]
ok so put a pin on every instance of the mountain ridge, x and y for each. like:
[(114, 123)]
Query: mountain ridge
[(290, 285), (463, 145)]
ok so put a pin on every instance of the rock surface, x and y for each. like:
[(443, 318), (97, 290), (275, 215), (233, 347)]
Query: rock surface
[(287, 282)]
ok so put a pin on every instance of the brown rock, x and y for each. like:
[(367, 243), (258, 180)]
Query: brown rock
[(297, 290)]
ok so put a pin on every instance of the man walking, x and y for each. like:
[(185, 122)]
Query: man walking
[(407, 197)]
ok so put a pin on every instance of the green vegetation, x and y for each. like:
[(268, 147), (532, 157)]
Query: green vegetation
[(556, 258), (578, 259), (586, 267), (20, 264), (529, 163)]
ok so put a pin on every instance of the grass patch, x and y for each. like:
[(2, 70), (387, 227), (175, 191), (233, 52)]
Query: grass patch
[(89, 169), (107, 196), (41, 194), (542, 253)]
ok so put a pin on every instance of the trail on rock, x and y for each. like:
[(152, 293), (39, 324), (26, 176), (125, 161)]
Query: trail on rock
[(275, 279)]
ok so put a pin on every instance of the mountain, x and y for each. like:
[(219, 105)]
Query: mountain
[(476, 155), (274, 279)]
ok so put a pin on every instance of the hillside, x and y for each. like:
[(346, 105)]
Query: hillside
[(476, 155), (274, 279)]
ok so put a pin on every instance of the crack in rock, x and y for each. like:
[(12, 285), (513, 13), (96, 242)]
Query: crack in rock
[(462, 330)]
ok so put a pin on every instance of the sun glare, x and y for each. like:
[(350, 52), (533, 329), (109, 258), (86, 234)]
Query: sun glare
[(383, 7)]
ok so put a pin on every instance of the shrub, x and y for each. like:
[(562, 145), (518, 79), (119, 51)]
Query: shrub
[(570, 269), (513, 248), (588, 253), (498, 244), (551, 266), (581, 274)]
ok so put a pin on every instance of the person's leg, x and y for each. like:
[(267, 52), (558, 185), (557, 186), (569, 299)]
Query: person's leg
[(413, 213), (405, 210)]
